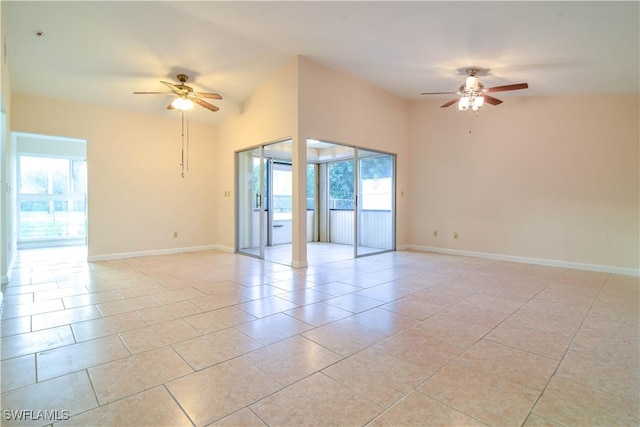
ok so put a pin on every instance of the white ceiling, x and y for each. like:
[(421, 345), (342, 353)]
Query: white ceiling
[(100, 52)]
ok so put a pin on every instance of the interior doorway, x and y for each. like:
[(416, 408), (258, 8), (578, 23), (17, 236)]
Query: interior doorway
[(51, 199)]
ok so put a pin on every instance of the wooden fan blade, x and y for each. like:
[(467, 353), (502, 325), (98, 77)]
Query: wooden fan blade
[(515, 86), (453, 101), (205, 104), (171, 86), (491, 100), (438, 93), (208, 95), (153, 93)]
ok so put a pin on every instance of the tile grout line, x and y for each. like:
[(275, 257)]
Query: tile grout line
[(553, 375), (184, 411)]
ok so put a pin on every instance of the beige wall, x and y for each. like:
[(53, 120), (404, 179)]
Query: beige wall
[(551, 178), (137, 198), (338, 108), (541, 177), (307, 100), (271, 114)]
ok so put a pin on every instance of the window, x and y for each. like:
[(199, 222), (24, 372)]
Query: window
[(311, 187), (341, 185), (376, 181), (51, 198), (282, 188)]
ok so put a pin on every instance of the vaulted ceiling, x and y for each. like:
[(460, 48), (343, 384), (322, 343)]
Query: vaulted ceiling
[(100, 52)]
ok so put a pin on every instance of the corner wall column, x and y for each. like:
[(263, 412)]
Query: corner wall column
[(299, 172)]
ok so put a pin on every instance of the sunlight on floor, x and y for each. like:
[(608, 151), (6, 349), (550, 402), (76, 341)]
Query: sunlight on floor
[(389, 339)]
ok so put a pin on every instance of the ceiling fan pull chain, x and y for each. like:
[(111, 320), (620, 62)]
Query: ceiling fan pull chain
[(186, 99), (187, 158), (182, 152)]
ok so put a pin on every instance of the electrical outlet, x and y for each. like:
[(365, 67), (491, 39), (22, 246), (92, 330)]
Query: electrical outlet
[(455, 235), (175, 234), (435, 233)]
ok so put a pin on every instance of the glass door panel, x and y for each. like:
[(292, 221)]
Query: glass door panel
[(282, 207), (250, 231), (375, 220), (341, 202), (312, 203)]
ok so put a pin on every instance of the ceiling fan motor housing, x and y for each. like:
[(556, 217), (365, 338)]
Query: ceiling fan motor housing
[(473, 93), (186, 93)]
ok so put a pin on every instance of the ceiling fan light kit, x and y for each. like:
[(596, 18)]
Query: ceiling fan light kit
[(473, 95), (475, 102), (185, 100), (182, 104), (186, 96)]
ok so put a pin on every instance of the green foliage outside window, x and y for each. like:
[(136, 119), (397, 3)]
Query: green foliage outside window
[(341, 176)]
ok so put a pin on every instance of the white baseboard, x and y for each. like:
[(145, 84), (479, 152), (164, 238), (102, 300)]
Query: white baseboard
[(4, 279), (152, 252), (540, 261), (299, 264), (488, 255)]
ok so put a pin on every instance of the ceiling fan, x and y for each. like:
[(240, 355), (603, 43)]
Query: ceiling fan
[(472, 94), (186, 97)]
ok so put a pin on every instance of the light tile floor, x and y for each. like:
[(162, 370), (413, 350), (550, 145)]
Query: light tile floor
[(402, 338)]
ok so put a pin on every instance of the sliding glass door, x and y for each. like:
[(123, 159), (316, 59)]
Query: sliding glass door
[(251, 223), (375, 206), (264, 206), (355, 197)]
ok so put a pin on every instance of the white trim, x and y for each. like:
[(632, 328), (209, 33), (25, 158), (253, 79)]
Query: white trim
[(48, 243), (299, 264), (4, 279), (47, 137), (527, 260), (152, 252), (541, 261)]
